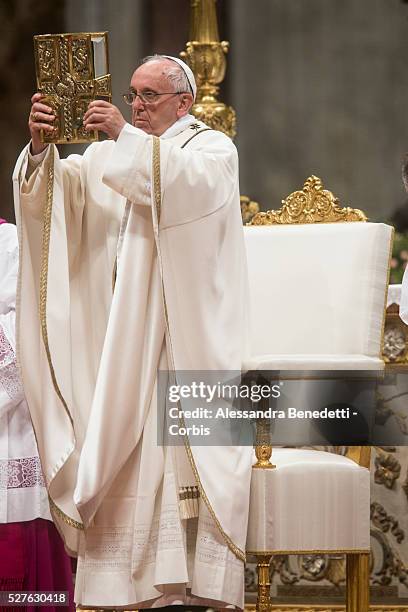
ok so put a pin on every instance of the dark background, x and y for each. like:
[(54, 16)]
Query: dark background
[(320, 86)]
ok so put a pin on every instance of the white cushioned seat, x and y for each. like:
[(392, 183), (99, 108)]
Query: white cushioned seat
[(312, 501), (317, 297), (317, 302), (313, 362)]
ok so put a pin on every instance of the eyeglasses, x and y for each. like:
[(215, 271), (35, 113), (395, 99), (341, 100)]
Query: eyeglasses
[(148, 97)]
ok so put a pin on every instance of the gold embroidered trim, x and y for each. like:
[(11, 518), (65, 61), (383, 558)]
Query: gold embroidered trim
[(381, 356), (156, 177), (44, 277), (43, 311), (317, 551), (240, 554), (67, 519)]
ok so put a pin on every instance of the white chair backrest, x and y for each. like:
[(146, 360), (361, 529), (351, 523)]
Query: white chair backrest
[(318, 288)]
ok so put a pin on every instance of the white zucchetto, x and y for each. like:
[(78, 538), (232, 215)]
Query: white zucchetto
[(188, 72)]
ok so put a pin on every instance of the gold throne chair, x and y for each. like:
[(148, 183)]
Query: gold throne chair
[(318, 277)]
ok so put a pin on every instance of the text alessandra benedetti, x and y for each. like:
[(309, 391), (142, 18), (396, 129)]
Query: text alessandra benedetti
[(289, 413)]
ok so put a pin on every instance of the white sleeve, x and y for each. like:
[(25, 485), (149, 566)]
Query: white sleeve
[(34, 188), (129, 168), (195, 181), (34, 161)]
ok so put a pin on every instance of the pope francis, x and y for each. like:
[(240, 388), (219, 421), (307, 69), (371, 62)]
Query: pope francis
[(132, 261)]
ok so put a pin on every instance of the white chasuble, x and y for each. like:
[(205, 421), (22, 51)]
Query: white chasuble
[(169, 208)]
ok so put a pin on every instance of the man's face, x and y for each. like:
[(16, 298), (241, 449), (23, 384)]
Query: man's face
[(154, 118)]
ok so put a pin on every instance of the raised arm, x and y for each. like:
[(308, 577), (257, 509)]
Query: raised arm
[(197, 180), (41, 118), (37, 159)]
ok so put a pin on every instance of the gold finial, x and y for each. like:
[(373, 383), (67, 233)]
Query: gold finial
[(204, 25), (249, 208), (313, 204), (263, 447), (205, 55)]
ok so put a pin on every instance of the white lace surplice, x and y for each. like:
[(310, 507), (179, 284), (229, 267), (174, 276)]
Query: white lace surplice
[(23, 496)]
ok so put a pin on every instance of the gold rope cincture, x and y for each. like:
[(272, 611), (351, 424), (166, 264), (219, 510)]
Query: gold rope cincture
[(240, 554), (43, 312)]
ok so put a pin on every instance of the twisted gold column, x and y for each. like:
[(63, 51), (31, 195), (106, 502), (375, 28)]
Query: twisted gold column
[(358, 582), (263, 602)]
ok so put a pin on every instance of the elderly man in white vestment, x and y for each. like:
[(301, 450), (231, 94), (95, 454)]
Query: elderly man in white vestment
[(133, 256)]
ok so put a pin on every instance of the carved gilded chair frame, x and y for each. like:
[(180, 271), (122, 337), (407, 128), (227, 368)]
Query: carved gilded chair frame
[(313, 204)]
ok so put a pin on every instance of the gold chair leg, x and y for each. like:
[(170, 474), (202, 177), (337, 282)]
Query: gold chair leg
[(358, 582), (263, 601)]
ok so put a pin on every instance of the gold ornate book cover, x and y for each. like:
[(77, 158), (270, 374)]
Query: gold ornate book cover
[(72, 70)]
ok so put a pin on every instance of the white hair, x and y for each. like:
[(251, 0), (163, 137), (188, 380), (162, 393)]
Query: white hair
[(175, 75)]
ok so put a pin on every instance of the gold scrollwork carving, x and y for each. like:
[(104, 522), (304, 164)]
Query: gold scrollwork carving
[(103, 86), (47, 58), (81, 66), (385, 522), (249, 208), (387, 469), (80, 109), (264, 603), (263, 453), (217, 115), (395, 345), (312, 204)]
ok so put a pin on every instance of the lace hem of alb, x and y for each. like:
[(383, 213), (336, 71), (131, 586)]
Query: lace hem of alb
[(21, 473), (9, 377)]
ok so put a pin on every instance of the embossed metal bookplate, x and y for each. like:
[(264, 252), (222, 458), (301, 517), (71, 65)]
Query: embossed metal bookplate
[(72, 70)]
